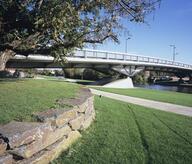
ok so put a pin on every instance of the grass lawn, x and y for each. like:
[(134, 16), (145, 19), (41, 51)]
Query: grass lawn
[(163, 96), (19, 99), (125, 133)]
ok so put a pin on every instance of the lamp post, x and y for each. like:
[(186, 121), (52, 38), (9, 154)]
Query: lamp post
[(126, 44), (174, 51)]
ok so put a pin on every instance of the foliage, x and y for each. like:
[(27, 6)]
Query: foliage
[(86, 74), (57, 27), (90, 74), (139, 79), (130, 134), (163, 96), (74, 73), (47, 72), (59, 73), (29, 73), (20, 99)]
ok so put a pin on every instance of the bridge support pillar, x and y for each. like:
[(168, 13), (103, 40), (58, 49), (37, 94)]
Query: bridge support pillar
[(128, 71), (121, 83)]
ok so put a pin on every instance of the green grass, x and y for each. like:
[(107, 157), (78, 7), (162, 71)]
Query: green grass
[(163, 96), (125, 133), (20, 99)]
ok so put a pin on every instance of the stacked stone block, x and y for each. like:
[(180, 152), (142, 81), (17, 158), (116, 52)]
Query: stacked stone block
[(41, 142)]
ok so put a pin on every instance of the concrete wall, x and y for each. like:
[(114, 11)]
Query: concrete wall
[(41, 142)]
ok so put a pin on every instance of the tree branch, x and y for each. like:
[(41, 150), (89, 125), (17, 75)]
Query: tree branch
[(38, 4)]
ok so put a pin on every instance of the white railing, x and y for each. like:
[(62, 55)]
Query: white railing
[(96, 54), (86, 53)]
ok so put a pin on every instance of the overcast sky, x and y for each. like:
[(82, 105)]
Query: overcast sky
[(172, 24)]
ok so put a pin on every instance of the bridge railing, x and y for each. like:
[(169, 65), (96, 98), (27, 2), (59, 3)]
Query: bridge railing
[(126, 57)]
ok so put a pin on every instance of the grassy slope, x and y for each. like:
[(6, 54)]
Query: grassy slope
[(19, 99), (124, 133), (163, 96)]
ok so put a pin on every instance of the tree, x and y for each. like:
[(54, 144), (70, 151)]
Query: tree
[(58, 27)]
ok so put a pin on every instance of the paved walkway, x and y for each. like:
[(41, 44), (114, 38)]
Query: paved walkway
[(183, 110)]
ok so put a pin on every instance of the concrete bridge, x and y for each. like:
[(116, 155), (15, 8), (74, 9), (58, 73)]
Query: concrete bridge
[(127, 64)]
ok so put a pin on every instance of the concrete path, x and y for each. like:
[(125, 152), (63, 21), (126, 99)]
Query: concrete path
[(183, 110)]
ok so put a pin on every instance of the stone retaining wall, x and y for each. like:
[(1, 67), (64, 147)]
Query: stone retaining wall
[(41, 142)]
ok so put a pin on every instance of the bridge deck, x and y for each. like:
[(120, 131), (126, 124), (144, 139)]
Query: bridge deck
[(104, 57)]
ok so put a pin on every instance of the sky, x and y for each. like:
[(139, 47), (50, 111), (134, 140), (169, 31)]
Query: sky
[(170, 24)]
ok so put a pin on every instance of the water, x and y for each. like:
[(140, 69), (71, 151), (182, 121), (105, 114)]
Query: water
[(183, 89)]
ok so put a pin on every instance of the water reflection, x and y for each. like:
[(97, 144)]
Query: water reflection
[(182, 89)]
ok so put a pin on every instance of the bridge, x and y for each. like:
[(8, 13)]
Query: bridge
[(123, 63)]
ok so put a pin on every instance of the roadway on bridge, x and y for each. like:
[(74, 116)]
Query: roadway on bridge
[(168, 107)]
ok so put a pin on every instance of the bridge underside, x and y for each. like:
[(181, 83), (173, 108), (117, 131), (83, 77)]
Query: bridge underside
[(129, 70), (126, 70)]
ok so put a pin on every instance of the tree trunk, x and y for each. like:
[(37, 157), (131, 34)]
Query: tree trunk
[(4, 57)]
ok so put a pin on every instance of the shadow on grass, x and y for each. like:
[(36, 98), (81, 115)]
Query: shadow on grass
[(173, 130), (142, 136)]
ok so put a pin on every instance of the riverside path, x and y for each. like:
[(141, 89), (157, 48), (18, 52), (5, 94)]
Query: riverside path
[(168, 107)]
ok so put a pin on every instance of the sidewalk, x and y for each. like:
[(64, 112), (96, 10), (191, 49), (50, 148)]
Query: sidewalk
[(179, 109)]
